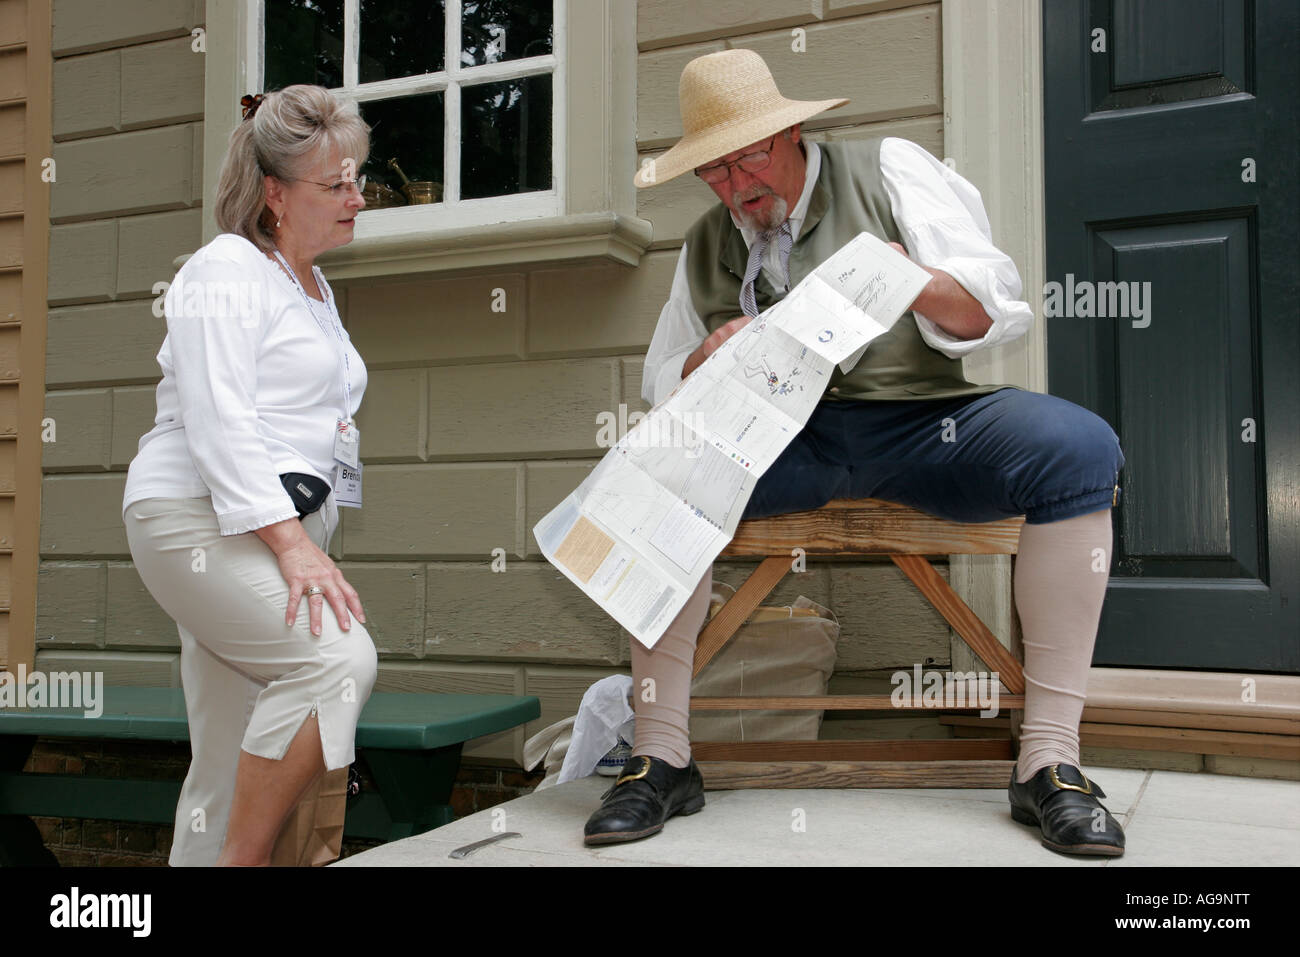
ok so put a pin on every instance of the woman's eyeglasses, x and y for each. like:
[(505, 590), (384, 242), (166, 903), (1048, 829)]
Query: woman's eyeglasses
[(341, 186)]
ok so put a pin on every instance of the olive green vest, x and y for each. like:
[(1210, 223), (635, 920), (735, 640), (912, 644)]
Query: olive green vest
[(848, 198)]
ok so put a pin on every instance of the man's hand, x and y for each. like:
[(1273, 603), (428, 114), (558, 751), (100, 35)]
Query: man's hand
[(946, 303), (711, 344)]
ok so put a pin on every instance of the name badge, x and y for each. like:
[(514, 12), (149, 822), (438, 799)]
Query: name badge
[(347, 485), (347, 443)]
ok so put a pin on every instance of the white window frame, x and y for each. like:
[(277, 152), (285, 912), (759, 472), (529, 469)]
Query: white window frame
[(590, 214), (452, 211)]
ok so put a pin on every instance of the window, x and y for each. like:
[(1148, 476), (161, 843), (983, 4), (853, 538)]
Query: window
[(515, 119), (458, 95)]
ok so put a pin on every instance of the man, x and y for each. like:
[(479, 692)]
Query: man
[(902, 425)]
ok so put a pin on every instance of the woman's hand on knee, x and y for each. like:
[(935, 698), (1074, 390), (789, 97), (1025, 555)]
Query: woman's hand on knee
[(304, 567)]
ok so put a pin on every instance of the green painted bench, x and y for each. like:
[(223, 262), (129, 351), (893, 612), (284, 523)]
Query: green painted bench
[(411, 743)]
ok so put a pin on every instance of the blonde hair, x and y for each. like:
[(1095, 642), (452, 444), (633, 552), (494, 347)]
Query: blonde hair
[(286, 132)]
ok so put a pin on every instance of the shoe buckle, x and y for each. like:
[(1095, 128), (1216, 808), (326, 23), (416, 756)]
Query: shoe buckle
[(645, 769), (1051, 773)]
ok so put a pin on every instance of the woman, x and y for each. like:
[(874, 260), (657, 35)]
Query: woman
[(259, 381)]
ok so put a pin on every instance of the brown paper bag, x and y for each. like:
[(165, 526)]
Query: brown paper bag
[(777, 652), (313, 834)]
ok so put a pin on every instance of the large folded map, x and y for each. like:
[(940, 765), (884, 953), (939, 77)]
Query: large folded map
[(640, 532)]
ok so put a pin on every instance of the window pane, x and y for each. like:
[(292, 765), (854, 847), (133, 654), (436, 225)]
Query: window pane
[(400, 38), (407, 129), (505, 131), (495, 30), (304, 43)]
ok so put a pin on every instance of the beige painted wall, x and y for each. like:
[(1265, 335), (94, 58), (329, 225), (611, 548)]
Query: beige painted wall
[(127, 109), (476, 422)]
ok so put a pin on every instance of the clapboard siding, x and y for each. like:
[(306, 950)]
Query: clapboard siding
[(8, 466), (13, 74), (12, 185), (13, 22), (13, 131), (24, 73)]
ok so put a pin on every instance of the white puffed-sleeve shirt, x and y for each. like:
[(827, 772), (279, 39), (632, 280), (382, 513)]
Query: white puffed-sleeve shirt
[(942, 223), (252, 387)]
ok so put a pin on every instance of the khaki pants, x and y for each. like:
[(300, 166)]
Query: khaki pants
[(250, 681)]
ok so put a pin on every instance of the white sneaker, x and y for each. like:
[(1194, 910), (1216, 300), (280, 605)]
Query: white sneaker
[(611, 765)]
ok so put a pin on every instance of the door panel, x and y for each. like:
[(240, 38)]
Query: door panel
[(1171, 204)]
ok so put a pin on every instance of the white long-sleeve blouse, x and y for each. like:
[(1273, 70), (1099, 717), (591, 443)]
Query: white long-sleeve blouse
[(253, 386)]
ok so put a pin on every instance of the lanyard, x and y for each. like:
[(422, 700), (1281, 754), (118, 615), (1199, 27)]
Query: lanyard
[(338, 332)]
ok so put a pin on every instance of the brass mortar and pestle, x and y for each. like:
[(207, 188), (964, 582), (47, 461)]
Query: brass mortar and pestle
[(379, 196), (419, 191)]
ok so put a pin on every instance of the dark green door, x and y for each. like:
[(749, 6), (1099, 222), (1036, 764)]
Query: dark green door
[(1171, 144)]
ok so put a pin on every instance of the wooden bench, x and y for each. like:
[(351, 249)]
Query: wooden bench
[(411, 743), (858, 528)]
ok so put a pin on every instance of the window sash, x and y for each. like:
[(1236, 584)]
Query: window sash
[(452, 210)]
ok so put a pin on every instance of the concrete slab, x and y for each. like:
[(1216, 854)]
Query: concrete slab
[(1223, 799), (1169, 818), (1178, 842)]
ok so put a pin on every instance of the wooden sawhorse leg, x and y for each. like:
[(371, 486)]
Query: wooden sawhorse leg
[(733, 614)]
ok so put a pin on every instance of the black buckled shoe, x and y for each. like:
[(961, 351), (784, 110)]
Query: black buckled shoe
[(1062, 803), (646, 794)]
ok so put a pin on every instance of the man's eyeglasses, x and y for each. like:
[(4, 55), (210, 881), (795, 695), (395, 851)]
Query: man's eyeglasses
[(341, 186), (751, 163)]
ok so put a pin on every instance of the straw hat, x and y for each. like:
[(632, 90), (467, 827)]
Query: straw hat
[(728, 101)]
